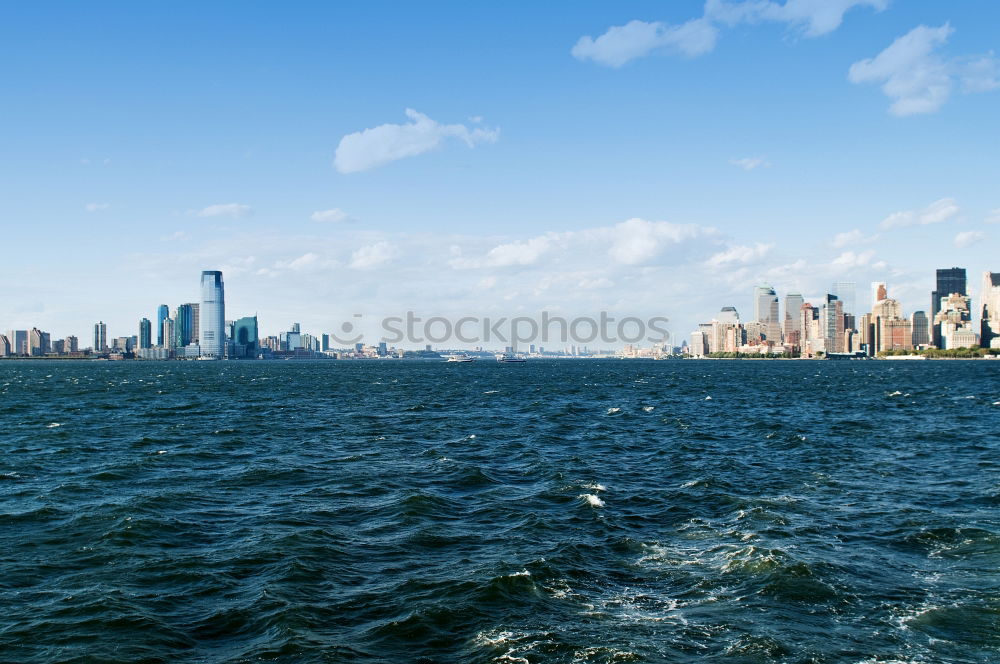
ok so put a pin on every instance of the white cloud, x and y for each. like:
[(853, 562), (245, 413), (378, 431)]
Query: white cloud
[(370, 148), (993, 217), (335, 215), (813, 17), (852, 237), (97, 207), (750, 163), (969, 238), (850, 259), (518, 253), (920, 80), (638, 241), (373, 255), (935, 213), (234, 210), (637, 39), (740, 255)]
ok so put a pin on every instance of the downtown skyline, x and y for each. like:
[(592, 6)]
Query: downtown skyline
[(604, 180)]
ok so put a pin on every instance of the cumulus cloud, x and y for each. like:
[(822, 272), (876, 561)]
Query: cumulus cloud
[(234, 210), (740, 255), (850, 259), (370, 148), (969, 238), (849, 238), (373, 255), (96, 207), (918, 78), (750, 163), (935, 213), (638, 241), (637, 39), (334, 216)]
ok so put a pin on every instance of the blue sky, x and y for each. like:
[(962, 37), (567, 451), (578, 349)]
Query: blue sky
[(681, 154)]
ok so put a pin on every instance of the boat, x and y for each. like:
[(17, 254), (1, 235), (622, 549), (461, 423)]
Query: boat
[(461, 357), (510, 358)]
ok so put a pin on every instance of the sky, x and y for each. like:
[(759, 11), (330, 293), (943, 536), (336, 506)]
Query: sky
[(640, 158)]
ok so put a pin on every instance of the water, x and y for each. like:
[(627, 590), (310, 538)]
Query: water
[(562, 511)]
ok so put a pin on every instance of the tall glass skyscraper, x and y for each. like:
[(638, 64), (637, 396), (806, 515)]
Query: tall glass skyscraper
[(948, 281), (213, 315), (162, 314)]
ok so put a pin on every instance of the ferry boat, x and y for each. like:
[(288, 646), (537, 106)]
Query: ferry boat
[(510, 358), (461, 357)]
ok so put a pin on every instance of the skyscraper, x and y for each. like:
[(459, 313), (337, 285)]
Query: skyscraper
[(949, 280), (18, 340), (845, 292), (168, 333), (185, 325), (765, 309), (989, 312), (921, 328), (832, 324), (100, 337), (879, 292), (793, 318), (245, 337), (212, 314), (162, 313), (145, 333)]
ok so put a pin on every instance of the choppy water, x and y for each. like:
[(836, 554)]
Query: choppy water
[(565, 511)]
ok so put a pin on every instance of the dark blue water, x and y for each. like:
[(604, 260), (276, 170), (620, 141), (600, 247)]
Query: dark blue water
[(563, 511)]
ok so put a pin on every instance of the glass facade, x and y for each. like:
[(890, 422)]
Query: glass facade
[(212, 325)]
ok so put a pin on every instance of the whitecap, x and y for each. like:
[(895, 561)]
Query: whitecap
[(592, 500), (648, 409), (593, 486), (161, 451), (708, 398), (612, 411), (895, 394), (53, 425)]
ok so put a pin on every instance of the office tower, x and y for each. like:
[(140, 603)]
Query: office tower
[(766, 306), (845, 292), (162, 313), (184, 325), (18, 340), (325, 342), (989, 311), (948, 281), (866, 334), (213, 315), (832, 324), (4, 346), (921, 328), (36, 344), (195, 322), (168, 333), (72, 344), (699, 344), (245, 337), (100, 337), (145, 333), (793, 318)]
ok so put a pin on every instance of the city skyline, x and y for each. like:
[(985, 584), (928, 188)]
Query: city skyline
[(845, 145)]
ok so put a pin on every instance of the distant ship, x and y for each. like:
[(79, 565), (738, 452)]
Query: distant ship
[(461, 357), (510, 358)]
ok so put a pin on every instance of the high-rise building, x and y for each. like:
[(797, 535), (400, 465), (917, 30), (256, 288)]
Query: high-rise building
[(921, 328), (948, 281), (832, 324), (245, 337), (845, 292), (168, 333), (184, 325), (72, 344), (879, 292), (989, 311), (953, 323), (4, 346), (213, 315), (765, 307), (793, 318), (100, 337), (18, 340), (892, 331), (162, 313), (145, 333)]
